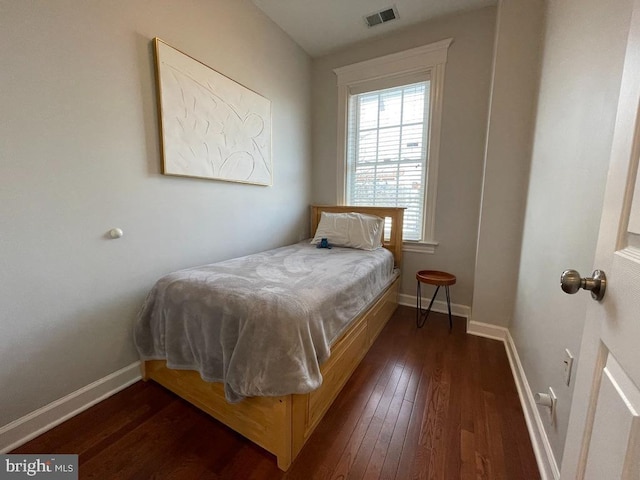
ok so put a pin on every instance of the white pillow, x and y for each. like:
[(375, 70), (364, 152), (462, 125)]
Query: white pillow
[(354, 230)]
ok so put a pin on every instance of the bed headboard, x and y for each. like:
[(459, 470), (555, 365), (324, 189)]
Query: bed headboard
[(395, 215)]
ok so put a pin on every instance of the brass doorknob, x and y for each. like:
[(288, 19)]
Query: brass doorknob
[(571, 282)]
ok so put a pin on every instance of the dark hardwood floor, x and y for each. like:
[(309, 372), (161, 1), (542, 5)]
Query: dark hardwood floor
[(422, 404)]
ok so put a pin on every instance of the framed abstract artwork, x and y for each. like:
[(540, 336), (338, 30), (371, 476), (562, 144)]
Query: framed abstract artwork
[(211, 126)]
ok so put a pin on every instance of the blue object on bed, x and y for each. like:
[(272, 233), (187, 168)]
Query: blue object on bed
[(324, 243)]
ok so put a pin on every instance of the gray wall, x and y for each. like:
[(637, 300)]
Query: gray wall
[(79, 154), (516, 71), (581, 69), (466, 100)]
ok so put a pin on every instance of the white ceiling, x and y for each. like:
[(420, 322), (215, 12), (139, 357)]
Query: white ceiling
[(320, 26)]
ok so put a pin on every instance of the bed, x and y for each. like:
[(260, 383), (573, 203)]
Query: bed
[(261, 410)]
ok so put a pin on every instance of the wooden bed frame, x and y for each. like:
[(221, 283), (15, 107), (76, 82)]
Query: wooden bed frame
[(282, 425)]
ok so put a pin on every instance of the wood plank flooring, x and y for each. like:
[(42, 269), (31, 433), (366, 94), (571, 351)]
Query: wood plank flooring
[(423, 404)]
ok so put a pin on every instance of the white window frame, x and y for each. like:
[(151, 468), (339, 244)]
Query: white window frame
[(395, 70)]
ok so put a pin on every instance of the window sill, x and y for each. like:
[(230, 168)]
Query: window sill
[(419, 247)]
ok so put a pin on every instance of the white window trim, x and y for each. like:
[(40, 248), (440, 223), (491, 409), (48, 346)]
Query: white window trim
[(430, 59), (419, 247)]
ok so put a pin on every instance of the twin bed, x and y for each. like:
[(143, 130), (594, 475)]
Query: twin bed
[(265, 343)]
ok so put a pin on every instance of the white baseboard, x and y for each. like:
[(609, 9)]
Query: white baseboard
[(487, 330), (541, 447), (438, 306), (22, 430)]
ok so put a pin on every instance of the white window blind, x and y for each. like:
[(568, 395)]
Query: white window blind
[(387, 136)]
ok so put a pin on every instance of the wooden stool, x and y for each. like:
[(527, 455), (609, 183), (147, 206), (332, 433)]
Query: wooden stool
[(439, 279)]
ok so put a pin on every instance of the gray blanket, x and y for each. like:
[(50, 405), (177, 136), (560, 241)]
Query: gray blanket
[(262, 324)]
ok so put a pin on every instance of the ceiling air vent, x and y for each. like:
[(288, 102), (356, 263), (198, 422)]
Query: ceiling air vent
[(382, 16)]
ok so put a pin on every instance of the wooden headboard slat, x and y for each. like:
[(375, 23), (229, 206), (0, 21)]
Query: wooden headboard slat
[(396, 214)]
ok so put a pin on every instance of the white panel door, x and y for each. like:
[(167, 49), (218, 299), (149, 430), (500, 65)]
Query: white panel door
[(603, 440)]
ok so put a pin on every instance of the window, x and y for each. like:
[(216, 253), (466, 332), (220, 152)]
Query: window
[(388, 135), (387, 151)]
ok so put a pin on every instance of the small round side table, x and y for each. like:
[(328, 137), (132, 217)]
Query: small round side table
[(439, 279)]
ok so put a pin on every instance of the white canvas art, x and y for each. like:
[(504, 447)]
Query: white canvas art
[(212, 127)]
